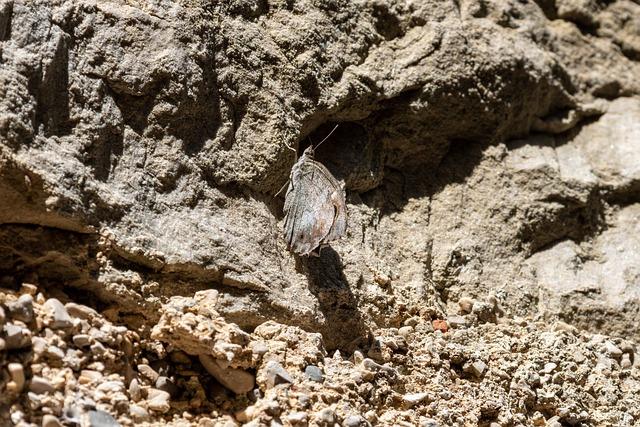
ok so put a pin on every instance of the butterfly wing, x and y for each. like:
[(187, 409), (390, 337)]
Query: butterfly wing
[(311, 207)]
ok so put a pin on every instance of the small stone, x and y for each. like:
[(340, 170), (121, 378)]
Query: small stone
[(60, 318), (612, 350), (80, 311), (549, 367), (16, 336), (49, 420), (158, 400), (353, 421), (405, 331), (100, 418), (39, 345), (297, 417), (429, 422), (314, 373), (16, 371), (54, 352), (40, 385), (3, 316), (440, 325), (625, 363), (81, 340), (326, 417), (358, 357), (148, 372), (165, 384), (236, 380), (3, 344), (138, 413), (134, 390), (97, 348), (276, 374), (88, 376), (466, 305), (457, 322), (475, 368), (259, 347), (411, 399), (21, 309)]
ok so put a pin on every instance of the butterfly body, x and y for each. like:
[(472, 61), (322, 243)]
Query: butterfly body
[(315, 206)]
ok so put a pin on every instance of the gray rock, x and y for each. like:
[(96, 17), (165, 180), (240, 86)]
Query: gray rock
[(100, 418), (158, 400), (314, 373), (80, 311), (236, 380), (135, 392), (476, 368), (21, 309), (354, 421), (40, 385), (58, 312), (81, 340), (325, 417), (276, 374), (138, 413), (16, 337)]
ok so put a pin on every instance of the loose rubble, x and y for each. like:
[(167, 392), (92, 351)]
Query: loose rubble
[(502, 373)]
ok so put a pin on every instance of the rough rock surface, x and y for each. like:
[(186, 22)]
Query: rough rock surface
[(491, 156)]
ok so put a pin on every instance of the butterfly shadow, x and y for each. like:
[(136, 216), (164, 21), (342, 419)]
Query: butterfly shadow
[(345, 328)]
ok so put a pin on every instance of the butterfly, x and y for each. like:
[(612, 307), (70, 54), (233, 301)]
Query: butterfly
[(315, 207)]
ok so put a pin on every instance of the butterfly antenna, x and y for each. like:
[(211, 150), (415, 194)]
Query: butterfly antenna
[(327, 137)]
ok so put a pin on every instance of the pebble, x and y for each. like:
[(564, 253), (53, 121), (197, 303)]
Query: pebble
[(440, 325), (80, 311), (88, 376), (297, 417), (373, 366), (457, 322), (61, 318), (3, 344), (236, 380), (148, 372), (625, 363), (326, 417), (16, 336), (50, 421), (353, 421), (102, 419), (138, 413), (158, 400), (466, 305), (276, 374), (134, 390), (165, 384), (313, 373), (411, 399), (358, 357), (54, 352), (3, 316), (549, 367), (475, 368), (16, 371), (21, 309), (612, 350), (40, 385), (405, 331), (81, 340)]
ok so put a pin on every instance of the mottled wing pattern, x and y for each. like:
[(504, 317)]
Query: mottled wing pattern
[(315, 210)]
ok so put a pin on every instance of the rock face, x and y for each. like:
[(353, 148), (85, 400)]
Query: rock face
[(490, 152)]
